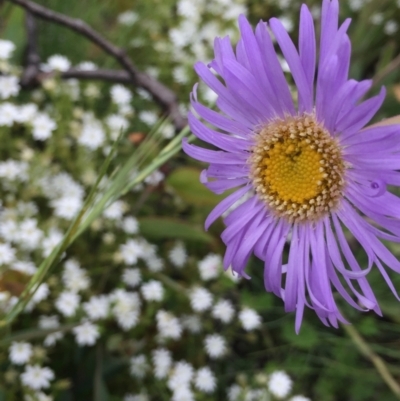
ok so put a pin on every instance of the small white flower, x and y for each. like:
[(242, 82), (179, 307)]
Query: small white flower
[(390, 27), (92, 135), (37, 377), (130, 225), (92, 91), (183, 393), (8, 86), (287, 23), (377, 18), (299, 398), (137, 397), (132, 277), (115, 210), (29, 235), (356, 5), (234, 392), (86, 66), (9, 230), (127, 18), (42, 126), (86, 334), (180, 74), (210, 266), (117, 123), (58, 62), (67, 207), (6, 49), (279, 384), (50, 242), (50, 322), (40, 295), (215, 346), (168, 325), (200, 299), (148, 117), (192, 323), (120, 95), (13, 170), (97, 307), (20, 352), (143, 93), (38, 396), (8, 114), (181, 376), (209, 95), (74, 278), (162, 362), (154, 264), (131, 251), (7, 254), (26, 113), (250, 319), (177, 255), (189, 9), (152, 291), (138, 366), (67, 303), (205, 380), (168, 131), (154, 178), (24, 267), (224, 311), (126, 308)]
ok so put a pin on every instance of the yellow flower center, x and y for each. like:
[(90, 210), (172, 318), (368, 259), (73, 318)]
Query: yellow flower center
[(297, 168)]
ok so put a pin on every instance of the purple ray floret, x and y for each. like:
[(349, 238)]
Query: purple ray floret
[(306, 174)]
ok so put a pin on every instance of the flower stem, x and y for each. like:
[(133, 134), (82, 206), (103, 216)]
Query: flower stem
[(376, 360)]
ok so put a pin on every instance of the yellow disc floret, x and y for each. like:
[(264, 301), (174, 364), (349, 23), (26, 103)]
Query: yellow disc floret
[(297, 168)]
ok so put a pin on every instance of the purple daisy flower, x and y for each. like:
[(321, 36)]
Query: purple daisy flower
[(304, 172)]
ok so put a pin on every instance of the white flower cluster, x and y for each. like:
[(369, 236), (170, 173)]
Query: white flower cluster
[(113, 286), (277, 385), (40, 124)]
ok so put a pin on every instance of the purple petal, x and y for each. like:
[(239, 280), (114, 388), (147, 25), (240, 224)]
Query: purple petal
[(213, 156), (273, 71), (222, 141), (219, 121), (226, 102), (296, 68), (307, 46), (292, 274), (224, 205), (361, 115)]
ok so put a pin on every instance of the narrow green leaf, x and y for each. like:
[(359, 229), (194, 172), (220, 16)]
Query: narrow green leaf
[(186, 184), (165, 228)]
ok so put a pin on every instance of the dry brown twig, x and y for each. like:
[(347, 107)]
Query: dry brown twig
[(32, 59), (164, 96), (390, 68)]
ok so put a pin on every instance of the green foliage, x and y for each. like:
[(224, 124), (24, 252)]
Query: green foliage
[(185, 182), (164, 228), (324, 362)]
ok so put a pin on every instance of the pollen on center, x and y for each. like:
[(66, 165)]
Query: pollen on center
[(297, 168)]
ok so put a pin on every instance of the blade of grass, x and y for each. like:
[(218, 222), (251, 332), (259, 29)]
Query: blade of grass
[(54, 256)]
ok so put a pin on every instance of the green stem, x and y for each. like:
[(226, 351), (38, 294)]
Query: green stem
[(376, 360)]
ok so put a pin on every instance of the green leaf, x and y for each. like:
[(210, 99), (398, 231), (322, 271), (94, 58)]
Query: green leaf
[(32, 334), (259, 301), (306, 339), (185, 182), (164, 228), (2, 395), (101, 392)]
